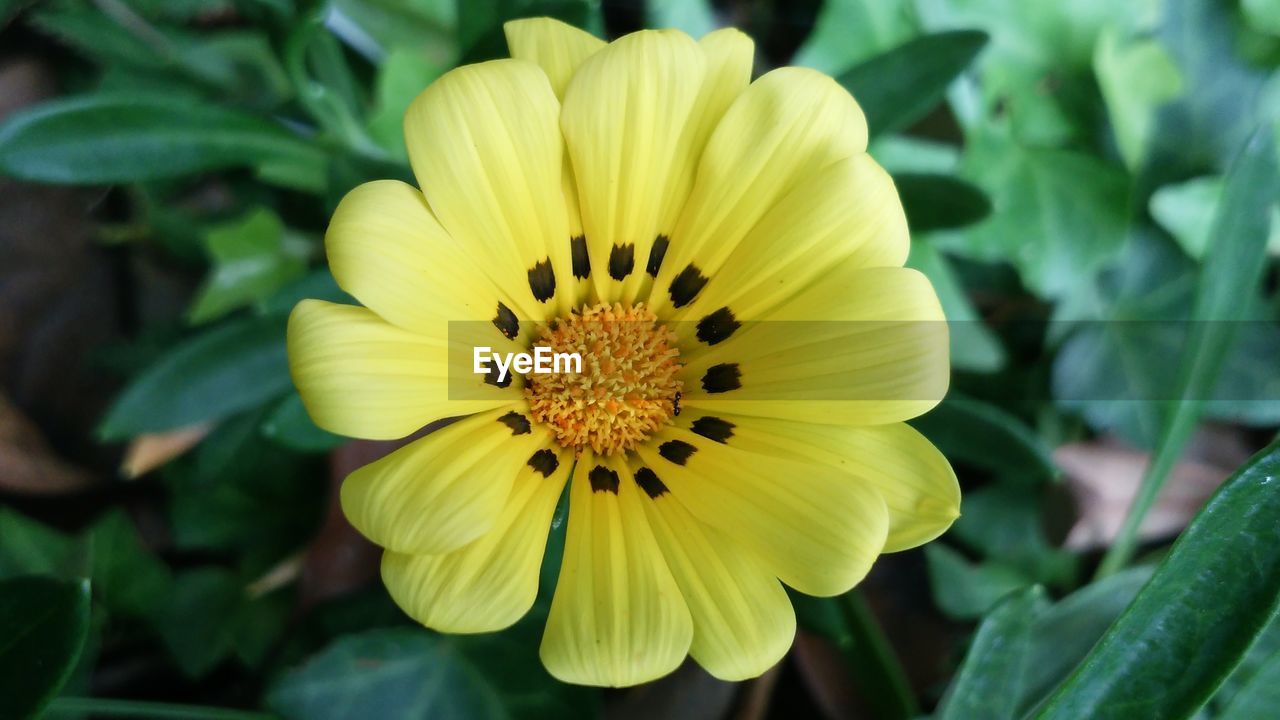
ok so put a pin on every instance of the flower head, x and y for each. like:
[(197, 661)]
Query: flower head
[(728, 260)]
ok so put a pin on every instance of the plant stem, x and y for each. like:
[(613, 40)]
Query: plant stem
[(107, 707), (876, 667)]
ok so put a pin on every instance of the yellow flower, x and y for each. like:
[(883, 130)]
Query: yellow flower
[(731, 260)]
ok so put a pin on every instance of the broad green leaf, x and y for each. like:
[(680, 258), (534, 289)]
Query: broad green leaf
[(253, 257), (988, 437), (963, 590), (1005, 523), (375, 27), (416, 675), (1186, 211), (126, 576), (990, 680), (318, 284), (404, 72), (1035, 78), (1193, 622), (1263, 15), (1258, 699), (91, 139), (907, 154), (1065, 633), (223, 370), (1057, 216), (933, 202), (241, 493), (28, 547), (695, 17), (195, 621), (1220, 107), (973, 346), (1137, 76), (1113, 366), (43, 625), (850, 31), (291, 426), (1227, 289), (900, 86)]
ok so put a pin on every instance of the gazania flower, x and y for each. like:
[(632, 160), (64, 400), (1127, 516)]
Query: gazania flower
[(728, 260)]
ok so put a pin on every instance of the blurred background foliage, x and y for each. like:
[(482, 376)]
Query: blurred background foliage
[(1075, 173)]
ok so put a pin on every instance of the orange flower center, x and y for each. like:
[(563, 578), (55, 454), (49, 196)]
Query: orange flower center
[(629, 385)]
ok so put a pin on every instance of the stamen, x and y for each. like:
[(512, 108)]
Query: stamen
[(628, 385)]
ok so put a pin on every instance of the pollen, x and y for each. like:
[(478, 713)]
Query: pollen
[(628, 388)]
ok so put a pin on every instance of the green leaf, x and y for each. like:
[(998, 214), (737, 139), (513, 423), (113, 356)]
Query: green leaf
[(900, 86), (240, 492), (1136, 76), (1263, 15), (1228, 286), (1260, 697), (1005, 523), (229, 368), (126, 576), (1065, 633), (28, 547), (291, 426), (1058, 216), (940, 201), (404, 73), (375, 27), (851, 31), (253, 257), (990, 681), (1186, 210), (1193, 622), (963, 590), (43, 626), (988, 437), (416, 674), (195, 620), (94, 139), (973, 346), (694, 17)]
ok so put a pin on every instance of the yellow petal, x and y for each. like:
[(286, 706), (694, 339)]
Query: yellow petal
[(861, 346), (810, 526), (361, 376), (441, 492), (491, 583), (617, 617), (556, 47), (785, 127), (625, 113), (484, 142), (847, 213), (742, 619), (387, 249), (917, 483)]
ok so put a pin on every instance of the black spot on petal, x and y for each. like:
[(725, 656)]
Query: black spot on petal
[(491, 377), (603, 479), (656, 253), (650, 483), (506, 321), (581, 259), (722, 378), (686, 286), (518, 423), (677, 451), (622, 259), (545, 462), (542, 281), (713, 428), (717, 326)]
